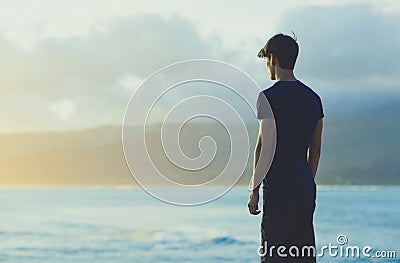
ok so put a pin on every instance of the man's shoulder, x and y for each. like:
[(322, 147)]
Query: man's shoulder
[(271, 89), (310, 90), (281, 91)]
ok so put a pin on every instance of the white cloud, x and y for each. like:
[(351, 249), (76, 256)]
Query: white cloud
[(63, 109), (94, 73), (130, 82), (347, 43), (344, 48)]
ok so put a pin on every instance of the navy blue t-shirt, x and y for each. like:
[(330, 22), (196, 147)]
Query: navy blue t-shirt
[(296, 109)]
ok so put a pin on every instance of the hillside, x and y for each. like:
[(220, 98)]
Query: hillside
[(358, 148)]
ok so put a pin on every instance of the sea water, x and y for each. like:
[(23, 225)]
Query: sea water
[(129, 225)]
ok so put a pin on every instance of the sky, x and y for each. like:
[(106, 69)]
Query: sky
[(74, 64)]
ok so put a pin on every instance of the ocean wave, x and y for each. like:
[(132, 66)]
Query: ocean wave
[(226, 240), (193, 239)]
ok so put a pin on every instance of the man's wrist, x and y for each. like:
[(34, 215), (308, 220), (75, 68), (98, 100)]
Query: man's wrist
[(254, 192)]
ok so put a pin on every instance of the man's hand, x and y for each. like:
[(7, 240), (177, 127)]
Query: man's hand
[(253, 203)]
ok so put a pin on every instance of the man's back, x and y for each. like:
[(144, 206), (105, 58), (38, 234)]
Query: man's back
[(296, 109)]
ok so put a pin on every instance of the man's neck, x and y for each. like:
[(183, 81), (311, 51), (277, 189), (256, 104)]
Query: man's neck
[(285, 74)]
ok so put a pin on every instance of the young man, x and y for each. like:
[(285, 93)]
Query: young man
[(289, 191)]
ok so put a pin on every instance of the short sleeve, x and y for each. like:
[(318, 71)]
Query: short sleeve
[(263, 108), (320, 110)]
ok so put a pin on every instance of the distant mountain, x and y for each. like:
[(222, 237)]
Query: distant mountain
[(361, 147), (90, 157)]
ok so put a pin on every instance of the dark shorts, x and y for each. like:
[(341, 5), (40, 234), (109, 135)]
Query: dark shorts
[(288, 223)]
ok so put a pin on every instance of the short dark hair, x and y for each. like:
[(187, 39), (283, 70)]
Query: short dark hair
[(284, 47)]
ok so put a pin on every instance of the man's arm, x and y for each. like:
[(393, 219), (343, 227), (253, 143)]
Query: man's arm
[(257, 152), (265, 143), (314, 149), (254, 191)]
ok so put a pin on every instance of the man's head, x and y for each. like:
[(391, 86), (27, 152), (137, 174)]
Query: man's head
[(280, 50)]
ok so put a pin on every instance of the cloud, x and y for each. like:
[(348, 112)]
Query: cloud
[(94, 72), (138, 45), (344, 48), (63, 109), (354, 44)]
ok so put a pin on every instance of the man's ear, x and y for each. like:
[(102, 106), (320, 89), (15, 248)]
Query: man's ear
[(272, 59)]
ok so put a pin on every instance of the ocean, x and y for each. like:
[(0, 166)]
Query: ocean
[(128, 225)]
